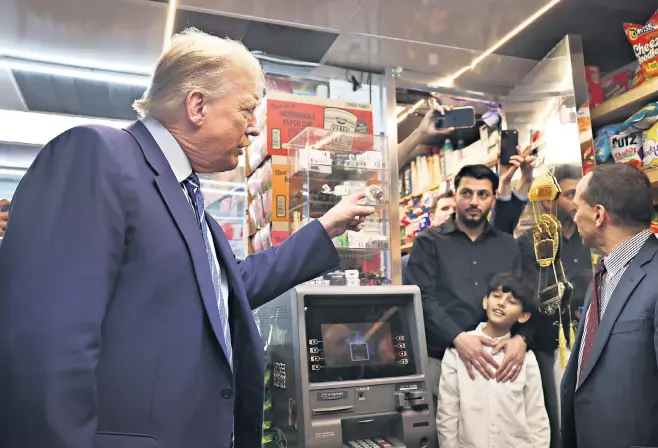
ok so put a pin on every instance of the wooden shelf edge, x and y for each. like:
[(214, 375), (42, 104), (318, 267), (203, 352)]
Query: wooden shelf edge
[(621, 107)]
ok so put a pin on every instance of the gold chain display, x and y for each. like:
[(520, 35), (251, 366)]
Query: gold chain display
[(547, 239)]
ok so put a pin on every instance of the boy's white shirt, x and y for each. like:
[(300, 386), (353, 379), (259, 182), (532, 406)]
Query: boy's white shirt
[(488, 414)]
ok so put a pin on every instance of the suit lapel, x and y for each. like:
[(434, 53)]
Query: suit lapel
[(179, 208), (629, 281)]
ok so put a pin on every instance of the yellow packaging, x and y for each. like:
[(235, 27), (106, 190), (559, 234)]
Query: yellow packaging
[(650, 148)]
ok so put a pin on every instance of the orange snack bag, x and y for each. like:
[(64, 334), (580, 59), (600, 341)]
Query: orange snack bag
[(644, 40)]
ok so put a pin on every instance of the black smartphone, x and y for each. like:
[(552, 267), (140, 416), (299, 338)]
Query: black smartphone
[(460, 117), (509, 141)]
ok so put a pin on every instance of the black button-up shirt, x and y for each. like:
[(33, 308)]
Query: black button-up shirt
[(452, 272)]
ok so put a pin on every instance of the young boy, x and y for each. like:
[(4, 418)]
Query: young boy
[(484, 413)]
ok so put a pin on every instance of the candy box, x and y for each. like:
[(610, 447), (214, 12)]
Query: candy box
[(595, 90)]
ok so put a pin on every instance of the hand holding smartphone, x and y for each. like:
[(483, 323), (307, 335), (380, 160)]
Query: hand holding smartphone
[(458, 118), (509, 143)]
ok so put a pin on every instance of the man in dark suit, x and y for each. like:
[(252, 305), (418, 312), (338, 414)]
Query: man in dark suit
[(610, 387), (125, 320)]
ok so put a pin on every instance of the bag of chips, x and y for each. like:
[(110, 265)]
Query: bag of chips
[(644, 40), (650, 148), (627, 149)]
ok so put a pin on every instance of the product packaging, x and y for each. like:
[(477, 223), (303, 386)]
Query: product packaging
[(650, 148), (627, 149), (641, 120), (644, 40), (595, 90), (615, 84)]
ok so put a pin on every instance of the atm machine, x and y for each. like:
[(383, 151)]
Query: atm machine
[(347, 368)]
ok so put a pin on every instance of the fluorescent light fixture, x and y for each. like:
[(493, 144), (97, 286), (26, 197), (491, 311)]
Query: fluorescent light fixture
[(17, 173), (33, 128), (70, 71), (486, 53), (403, 116), (169, 24)]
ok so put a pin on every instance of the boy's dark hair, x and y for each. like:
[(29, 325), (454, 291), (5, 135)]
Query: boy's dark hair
[(478, 172), (508, 282), (447, 195)]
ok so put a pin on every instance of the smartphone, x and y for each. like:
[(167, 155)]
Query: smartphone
[(460, 117), (509, 141)]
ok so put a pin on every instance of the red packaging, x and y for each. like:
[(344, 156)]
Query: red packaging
[(594, 87), (644, 40)]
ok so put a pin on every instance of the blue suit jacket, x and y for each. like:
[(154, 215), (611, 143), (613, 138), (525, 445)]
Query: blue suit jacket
[(109, 328), (616, 405)]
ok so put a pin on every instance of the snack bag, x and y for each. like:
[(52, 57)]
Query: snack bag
[(644, 40), (641, 120), (650, 148), (602, 147), (627, 149)]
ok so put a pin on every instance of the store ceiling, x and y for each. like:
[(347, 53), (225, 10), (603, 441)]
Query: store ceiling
[(434, 37)]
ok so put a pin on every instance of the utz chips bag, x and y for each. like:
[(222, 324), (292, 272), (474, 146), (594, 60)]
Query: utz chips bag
[(650, 148), (627, 149), (644, 40)]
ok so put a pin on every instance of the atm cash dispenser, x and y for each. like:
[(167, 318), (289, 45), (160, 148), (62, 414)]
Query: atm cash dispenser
[(348, 368)]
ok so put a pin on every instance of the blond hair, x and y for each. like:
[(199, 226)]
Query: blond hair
[(195, 60)]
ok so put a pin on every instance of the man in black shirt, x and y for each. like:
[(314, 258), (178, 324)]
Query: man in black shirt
[(577, 262), (451, 264)]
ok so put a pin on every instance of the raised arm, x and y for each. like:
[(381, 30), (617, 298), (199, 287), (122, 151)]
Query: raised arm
[(307, 254), (58, 264)]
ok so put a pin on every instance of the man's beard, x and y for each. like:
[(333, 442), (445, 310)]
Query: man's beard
[(472, 222), (566, 218)]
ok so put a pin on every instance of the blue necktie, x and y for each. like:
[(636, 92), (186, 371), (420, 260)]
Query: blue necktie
[(192, 185)]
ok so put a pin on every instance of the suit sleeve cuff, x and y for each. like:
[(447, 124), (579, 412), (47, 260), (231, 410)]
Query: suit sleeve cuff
[(506, 198), (520, 196)]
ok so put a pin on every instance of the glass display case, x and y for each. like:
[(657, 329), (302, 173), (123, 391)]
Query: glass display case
[(327, 165)]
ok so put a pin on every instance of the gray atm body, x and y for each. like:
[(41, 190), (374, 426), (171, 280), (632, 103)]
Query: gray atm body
[(334, 381)]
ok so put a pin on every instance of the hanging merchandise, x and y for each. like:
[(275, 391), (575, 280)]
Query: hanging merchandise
[(554, 289), (644, 39)]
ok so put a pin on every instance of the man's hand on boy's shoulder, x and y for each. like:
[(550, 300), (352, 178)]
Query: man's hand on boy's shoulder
[(471, 350), (515, 350)]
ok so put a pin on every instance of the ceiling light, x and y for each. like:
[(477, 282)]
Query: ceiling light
[(75, 72), (410, 111), (523, 25), (169, 24)]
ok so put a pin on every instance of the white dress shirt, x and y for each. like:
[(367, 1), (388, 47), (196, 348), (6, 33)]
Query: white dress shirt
[(484, 413), (182, 168)]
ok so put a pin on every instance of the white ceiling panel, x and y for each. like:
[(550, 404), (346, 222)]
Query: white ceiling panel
[(116, 34), (497, 73), (465, 24), (325, 14), (361, 51)]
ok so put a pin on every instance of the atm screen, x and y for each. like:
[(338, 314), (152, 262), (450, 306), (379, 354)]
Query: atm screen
[(350, 339)]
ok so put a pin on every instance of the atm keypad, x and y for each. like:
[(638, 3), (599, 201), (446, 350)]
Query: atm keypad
[(369, 443)]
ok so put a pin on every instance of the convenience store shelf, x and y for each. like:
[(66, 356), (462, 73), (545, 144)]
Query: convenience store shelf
[(621, 107), (491, 163)]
